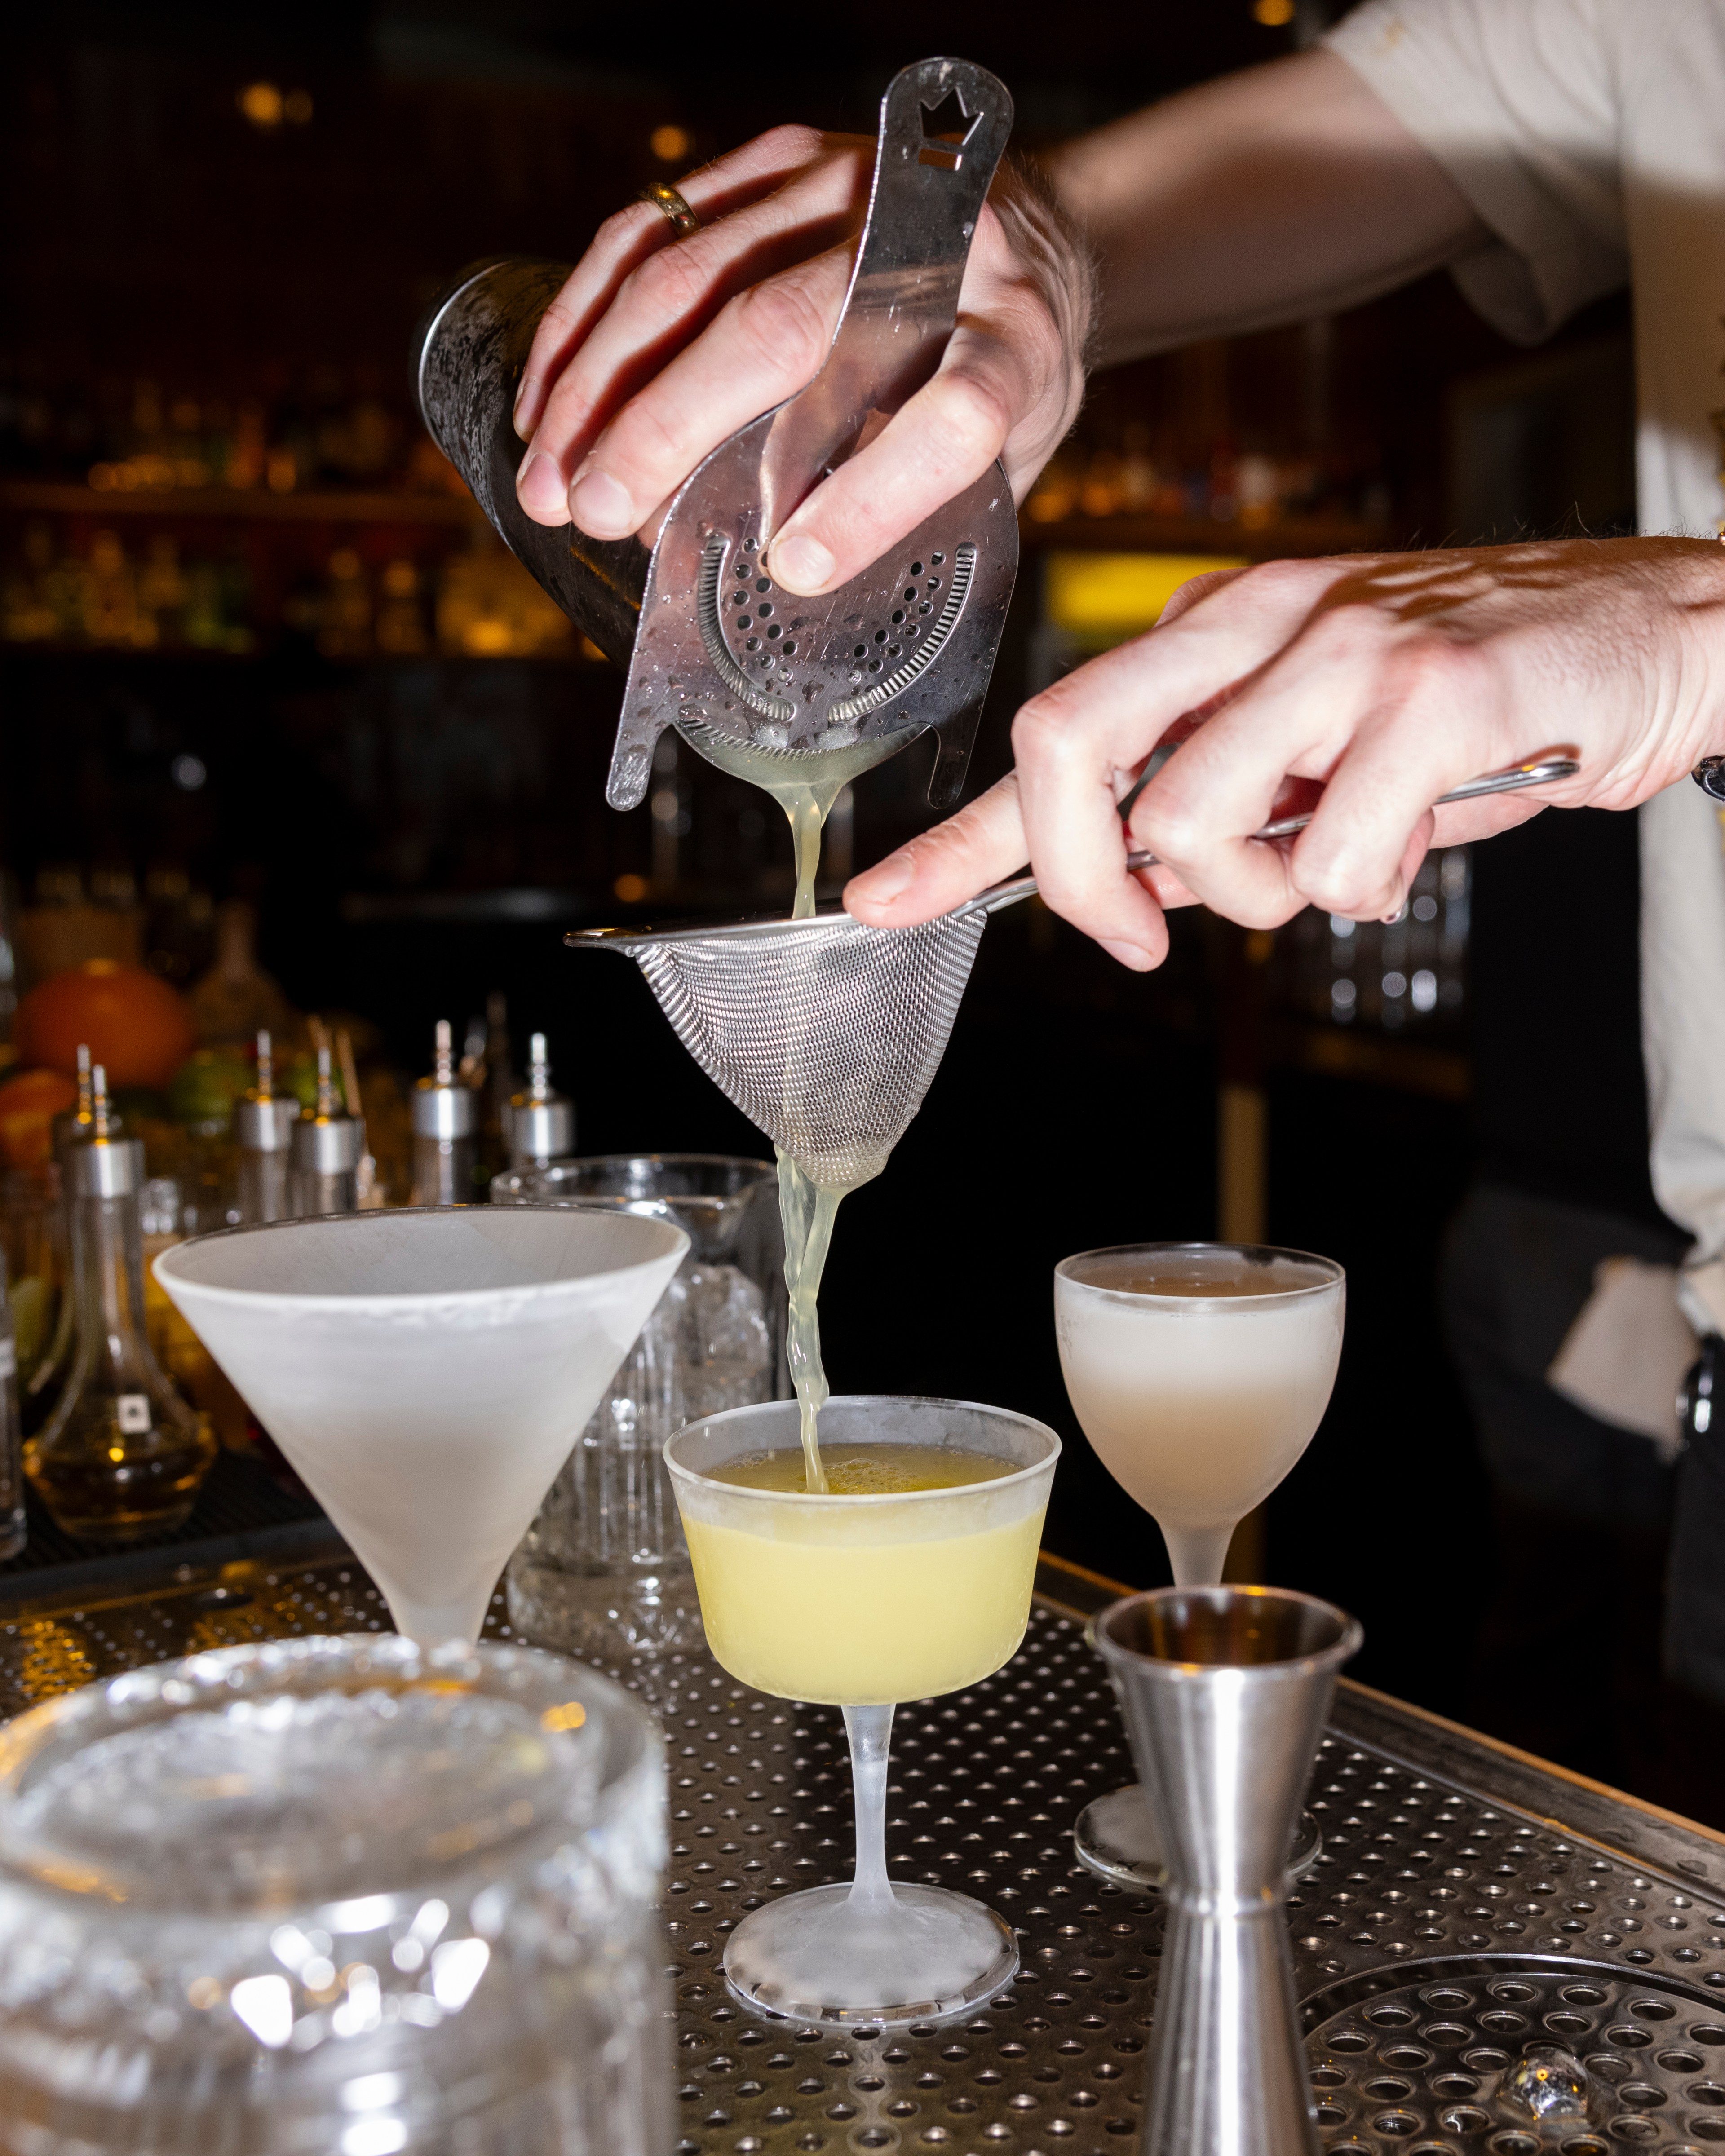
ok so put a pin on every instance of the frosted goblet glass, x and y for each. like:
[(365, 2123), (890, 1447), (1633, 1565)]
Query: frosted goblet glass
[(1199, 1372), (860, 1602)]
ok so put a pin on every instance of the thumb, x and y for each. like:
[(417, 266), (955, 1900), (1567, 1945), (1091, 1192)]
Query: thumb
[(943, 867)]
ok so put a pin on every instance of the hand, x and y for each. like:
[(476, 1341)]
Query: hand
[(657, 349), (1389, 680)]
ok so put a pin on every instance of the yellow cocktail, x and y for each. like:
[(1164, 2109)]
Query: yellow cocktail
[(910, 1575), (899, 1602)]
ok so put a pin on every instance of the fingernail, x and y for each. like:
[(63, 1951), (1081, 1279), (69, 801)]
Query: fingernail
[(886, 880), (521, 397), (600, 505), (1131, 955), (537, 484), (801, 565)]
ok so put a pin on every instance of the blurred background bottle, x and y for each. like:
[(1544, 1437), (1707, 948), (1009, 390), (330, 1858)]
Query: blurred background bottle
[(122, 1455), (12, 1462), (445, 1124)]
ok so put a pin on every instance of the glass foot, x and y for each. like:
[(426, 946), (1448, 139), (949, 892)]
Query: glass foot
[(1115, 1838), (821, 1955)]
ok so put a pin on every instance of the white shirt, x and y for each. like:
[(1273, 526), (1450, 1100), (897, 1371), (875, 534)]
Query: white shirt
[(1590, 137)]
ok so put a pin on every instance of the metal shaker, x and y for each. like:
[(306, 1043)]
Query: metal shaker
[(1225, 1690)]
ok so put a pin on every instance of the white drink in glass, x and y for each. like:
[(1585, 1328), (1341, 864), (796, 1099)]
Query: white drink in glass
[(1199, 1372)]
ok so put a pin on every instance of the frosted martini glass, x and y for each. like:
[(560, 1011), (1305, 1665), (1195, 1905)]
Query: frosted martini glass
[(859, 1602), (1198, 1371), (426, 1371)]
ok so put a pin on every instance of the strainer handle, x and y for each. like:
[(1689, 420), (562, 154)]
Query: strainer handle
[(1538, 771), (943, 126)]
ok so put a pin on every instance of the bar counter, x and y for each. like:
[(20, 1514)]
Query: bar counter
[(1468, 1899)]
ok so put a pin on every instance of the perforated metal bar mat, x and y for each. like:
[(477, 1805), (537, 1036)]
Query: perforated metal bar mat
[(1466, 1903)]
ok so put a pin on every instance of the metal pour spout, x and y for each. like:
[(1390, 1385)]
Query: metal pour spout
[(1225, 1690)]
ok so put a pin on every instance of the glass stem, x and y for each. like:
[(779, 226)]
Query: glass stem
[(1197, 1554), (870, 1729)]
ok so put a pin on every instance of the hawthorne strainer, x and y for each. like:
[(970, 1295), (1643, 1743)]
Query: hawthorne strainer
[(825, 1032)]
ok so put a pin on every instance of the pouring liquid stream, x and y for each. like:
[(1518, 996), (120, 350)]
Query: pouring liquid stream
[(805, 786)]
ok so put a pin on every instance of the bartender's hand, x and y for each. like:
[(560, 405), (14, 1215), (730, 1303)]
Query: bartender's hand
[(658, 348), (1388, 679)]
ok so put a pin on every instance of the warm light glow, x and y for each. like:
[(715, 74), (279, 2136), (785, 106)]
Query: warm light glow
[(1273, 14), (1118, 595), (569, 1716), (630, 889), (261, 102), (669, 145)]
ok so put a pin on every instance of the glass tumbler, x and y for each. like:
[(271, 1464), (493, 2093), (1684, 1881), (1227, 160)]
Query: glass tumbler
[(334, 1897), (603, 1571)]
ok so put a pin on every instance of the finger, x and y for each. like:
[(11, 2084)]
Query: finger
[(662, 304), (1001, 391), (764, 345), (942, 868), (942, 440), (627, 237), (1184, 597), (1348, 700), (1103, 720), (1069, 798)]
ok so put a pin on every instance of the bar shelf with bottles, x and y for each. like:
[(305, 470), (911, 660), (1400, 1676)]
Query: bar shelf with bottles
[(224, 526)]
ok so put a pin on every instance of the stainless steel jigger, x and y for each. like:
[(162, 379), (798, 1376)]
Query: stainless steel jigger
[(1225, 1690)]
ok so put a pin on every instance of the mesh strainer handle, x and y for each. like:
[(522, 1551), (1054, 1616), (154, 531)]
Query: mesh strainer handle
[(1541, 771)]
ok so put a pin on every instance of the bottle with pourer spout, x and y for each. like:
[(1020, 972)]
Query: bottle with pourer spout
[(40, 1388), (541, 1121), (445, 1127), (122, 1454), (262, 1131), (326, 1150)]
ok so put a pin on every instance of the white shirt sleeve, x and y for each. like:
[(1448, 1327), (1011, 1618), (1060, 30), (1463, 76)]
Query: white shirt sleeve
[(1517, 100)]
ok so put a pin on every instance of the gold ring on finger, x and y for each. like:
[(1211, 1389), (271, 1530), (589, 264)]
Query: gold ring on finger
[(682, 219)]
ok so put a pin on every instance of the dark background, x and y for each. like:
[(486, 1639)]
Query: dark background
[(376, 810)]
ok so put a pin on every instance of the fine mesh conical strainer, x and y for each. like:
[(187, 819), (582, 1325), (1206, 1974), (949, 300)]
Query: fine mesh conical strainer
[(825, 1032)]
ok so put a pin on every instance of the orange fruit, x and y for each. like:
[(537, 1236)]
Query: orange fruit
[(28, 1104), (138, 1028)]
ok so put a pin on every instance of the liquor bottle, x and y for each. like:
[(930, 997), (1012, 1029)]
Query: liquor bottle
[(122, 1455), (236, 996), (263, 1132), (498, 1086), (12, 1462), (41, 1385), (445, 1117), (325, 1151), (541, 1121)]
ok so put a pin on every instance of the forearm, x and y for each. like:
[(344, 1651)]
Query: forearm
[(1284, 192)]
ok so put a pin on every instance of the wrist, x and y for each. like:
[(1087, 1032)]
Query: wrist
[(1693, 584), (1053, 251)]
